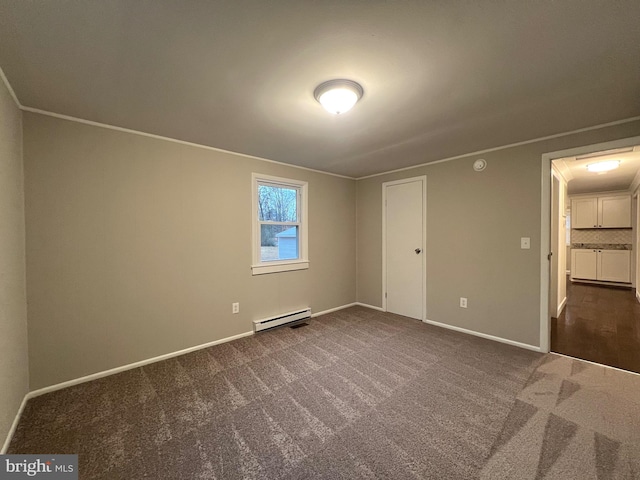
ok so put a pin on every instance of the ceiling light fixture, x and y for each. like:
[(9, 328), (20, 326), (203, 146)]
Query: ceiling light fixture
[(338, 96), (603, 166)]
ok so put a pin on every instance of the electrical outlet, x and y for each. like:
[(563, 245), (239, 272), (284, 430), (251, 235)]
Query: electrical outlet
[(235, 308), (463, 302)]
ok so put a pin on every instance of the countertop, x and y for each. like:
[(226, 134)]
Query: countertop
[(602, 246)]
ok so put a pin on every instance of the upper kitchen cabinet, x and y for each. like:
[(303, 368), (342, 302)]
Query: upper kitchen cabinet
[(610, 211), (614, 212), (584, 212)]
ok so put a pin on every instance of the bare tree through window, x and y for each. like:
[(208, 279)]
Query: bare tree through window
[(278, 216)]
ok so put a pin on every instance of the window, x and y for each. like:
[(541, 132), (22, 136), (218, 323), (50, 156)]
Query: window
[(279, 224)]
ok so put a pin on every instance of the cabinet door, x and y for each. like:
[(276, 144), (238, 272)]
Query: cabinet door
[(614, 212), (584, 264), (584, 212), (614, 265)]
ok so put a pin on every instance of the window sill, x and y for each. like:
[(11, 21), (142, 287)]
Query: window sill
[(276, 267)]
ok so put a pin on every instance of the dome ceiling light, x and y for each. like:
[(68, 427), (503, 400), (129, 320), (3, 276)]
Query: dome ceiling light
[(338, 96), (603, 166)]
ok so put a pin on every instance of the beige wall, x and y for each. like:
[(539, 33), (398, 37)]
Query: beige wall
[(474, 225), (14, 368), (136, 247)]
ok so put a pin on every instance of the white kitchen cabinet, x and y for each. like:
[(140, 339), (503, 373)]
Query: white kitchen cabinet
[(602, 265), (614, 212), (614, 265), (610, 211), (584, 212), (584, 264)]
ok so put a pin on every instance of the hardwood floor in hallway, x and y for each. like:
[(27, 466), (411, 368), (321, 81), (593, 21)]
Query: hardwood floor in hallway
[(600, 324)]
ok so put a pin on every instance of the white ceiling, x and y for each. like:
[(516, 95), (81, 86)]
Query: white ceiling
[(581, 180), (441, 78)]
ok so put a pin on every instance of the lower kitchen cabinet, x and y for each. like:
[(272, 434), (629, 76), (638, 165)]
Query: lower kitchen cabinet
[(602, 265), (584, 264), (614, 265)]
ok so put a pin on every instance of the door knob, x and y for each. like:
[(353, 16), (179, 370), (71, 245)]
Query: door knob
[(418, 250)]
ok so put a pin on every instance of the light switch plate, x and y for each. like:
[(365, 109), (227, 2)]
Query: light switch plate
[(525, 243)]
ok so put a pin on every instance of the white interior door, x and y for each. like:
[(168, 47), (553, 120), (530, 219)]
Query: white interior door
[(404, 244)]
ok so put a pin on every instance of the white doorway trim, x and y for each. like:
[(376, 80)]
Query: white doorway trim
[(423, 179), (634, 249), (545, 225)]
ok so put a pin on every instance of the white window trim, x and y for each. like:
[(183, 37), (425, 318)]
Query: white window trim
[(258, 267)]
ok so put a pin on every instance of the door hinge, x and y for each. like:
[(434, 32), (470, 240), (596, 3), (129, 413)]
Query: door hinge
[(385, 294), (549, 256)]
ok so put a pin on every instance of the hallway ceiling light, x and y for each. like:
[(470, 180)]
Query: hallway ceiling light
[(603, 166), (338, 96)]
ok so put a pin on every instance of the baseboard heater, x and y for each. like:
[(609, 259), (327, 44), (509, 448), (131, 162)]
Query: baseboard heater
[(276, 321)]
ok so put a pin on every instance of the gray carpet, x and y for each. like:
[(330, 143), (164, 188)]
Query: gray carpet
[(354, 394)]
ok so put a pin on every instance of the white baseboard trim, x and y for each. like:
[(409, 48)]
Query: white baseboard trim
[(485, 335), (637, 295), (141, 363), (366, 305), (597, 282), (324, 312), (348, 305), (561, 306), (14, 425)]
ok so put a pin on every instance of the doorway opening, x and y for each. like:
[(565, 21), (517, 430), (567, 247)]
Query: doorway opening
[(591, 309)]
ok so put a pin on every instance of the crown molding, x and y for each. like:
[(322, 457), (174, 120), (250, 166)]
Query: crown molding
[(5, 80)]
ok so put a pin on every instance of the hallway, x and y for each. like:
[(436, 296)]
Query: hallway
[(600, 324)]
